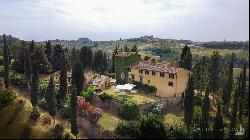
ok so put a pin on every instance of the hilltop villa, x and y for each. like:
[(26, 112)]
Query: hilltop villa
[(169, 79)]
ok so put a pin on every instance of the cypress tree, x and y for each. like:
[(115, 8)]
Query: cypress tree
[(218, 125), (73, 111), (188, 103), (32, 47), (27, 67), (6, 63), (242, 93), (51, 99), (115, 52), (186, 58), (235, 107), (48, 51), (134, 49), (78, 76), (228, 88), (126, 49), (34, 85), (205, 115), (63, 81)]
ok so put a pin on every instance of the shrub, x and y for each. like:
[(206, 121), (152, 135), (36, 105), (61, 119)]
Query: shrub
[(34, 114), (128, 129), (151, 126), (58, 131), (129, 110), (105, 97), (88, 94), (144, 87), (6, 97), (18, 80), (67, 136), (46, 121), (175, 126), (157, 108)]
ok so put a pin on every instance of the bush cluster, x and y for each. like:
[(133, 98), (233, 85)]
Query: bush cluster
[(6, 97), (88, 94), (144, 87), (105, 97), (129, 110)]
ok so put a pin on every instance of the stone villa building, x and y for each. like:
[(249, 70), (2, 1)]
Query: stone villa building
[(169, 79)]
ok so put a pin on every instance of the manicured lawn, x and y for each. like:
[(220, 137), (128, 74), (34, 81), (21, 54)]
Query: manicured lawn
[(137, 98), (108, 122)]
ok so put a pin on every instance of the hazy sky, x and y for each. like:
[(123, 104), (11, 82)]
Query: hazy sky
[(197, 20)]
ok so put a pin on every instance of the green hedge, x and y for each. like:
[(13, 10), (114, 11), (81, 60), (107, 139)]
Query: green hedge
[(129, 110), (144, 87), (105, 97)]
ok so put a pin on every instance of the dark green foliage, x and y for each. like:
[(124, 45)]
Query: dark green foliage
[(144, 87), (78, 76), (27, 66), (6, 63), (56, 57), (214, 72), (88, 94), (34, 85), (51, 98), (58, 131), (128, 129), (63, 81), (48, 51), (86, 57), (186, 58), (177, 132), (32, 47), (188, 103), (126, 49), (115, 52), (6, 97), (242, 94), (205, 115), (152, 127), (129, 110), (227, 45), (235, 108), (218, 125), (134, 49), (105, 97), (100, 62), (73, 111), (228, 88)]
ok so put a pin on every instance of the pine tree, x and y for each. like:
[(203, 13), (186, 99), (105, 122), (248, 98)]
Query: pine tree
[(242, 93), (228, 88), (186, 58), (63, 81), (51, 99), (235, 109), (73, 111), (218, 125), (188, 103), (6, 63), (34, 85)]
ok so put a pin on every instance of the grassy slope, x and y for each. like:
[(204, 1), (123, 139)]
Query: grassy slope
[(108, 121)]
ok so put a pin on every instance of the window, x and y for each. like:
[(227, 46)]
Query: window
[(129, 69), (170, 84), (141, 78), (148, 81), (153, 72), (147, 72), (140, 71), (162, 74), (171, 75), (133, 77)]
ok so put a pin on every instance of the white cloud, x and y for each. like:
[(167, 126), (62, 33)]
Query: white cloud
[(112, 19)]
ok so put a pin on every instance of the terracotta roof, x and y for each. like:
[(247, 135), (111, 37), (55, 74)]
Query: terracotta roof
[(156, 66)]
